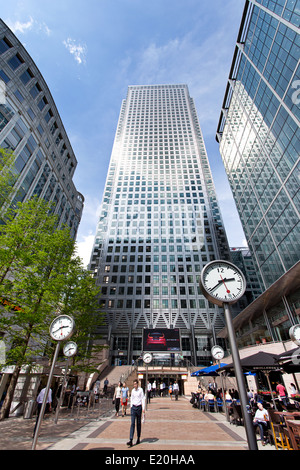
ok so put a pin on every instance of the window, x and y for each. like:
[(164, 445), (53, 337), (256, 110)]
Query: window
[(15, 62), (48, 115), (42, 103), (26, 77), (35, 90), (4, 77), (4, 45)]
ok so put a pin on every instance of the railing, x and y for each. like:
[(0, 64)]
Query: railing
[(125, 376)]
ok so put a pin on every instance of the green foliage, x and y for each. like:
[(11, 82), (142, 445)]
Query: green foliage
[(7, 176), (41, 277)]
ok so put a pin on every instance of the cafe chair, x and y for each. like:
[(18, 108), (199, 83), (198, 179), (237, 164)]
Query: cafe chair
[(210, 405), (236, 417), (279, 436), (294, 433)]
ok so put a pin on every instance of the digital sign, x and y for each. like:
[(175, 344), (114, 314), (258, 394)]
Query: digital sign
[(161, 340)]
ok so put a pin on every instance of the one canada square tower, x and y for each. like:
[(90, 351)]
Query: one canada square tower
[(159, 225)]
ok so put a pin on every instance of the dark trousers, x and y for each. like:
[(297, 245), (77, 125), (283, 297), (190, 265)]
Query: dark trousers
[(117, 404), (262, 427), (136, 415)]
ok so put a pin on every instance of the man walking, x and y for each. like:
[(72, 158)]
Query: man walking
[(39, 401), (137, 403), (176, 389)]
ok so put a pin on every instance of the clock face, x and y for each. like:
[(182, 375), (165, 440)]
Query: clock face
[(222, 282), (62, 327), (70, 349), (147, 357), (295, 334), (217, 352)]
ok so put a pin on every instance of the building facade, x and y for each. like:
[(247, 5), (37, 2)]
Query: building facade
[(242, 258), (31, 127), (159, 224), (259, 134)]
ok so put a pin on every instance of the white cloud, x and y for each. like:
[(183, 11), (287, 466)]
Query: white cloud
[(87, 228), (84, 248), (19, 27), (77, 50)]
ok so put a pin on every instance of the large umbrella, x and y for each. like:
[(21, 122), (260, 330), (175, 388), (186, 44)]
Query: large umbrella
[(289, 361), (265, 362), (260, 361), (208, 371)]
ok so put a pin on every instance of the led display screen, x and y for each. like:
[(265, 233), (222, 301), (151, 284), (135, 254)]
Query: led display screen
[(161, 339)]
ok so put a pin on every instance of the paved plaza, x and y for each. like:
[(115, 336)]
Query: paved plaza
[(169, 426)]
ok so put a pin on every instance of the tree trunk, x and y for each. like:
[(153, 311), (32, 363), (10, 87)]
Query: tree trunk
[(10, 394)]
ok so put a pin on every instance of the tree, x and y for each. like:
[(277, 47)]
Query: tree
[(7, 178), (81, 301), (34, 257), (40, 276)]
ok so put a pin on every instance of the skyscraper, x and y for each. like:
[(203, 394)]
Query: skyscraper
[(31, 127), (159, 224), (259, 134)]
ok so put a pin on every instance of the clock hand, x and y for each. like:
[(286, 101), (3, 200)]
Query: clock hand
[(228, 291), (220, 282), (64, 326)]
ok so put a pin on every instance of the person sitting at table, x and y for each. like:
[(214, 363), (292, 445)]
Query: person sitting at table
[(293, 389), (261, 420), (209, 395)]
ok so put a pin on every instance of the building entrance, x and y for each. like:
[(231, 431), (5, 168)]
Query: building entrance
[(160, 383)]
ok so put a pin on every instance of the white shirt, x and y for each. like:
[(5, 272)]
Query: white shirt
[(261, 415), (137, 397), (41, 395)]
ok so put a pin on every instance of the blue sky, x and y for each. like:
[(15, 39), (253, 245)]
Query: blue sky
[(89, 52)]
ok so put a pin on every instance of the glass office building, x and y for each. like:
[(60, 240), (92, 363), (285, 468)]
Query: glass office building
[(31, 127), (159, 224), (259, 133)]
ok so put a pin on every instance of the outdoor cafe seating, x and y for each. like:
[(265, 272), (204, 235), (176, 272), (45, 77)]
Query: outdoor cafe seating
[(285, 428)]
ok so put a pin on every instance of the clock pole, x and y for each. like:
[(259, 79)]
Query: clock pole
[(62, 392), (252, 443), (36, 434)]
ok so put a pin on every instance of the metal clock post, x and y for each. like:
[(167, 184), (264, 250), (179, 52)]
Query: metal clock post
[(60, 329), (70, 349), (217, 353), (147, 358), (223, 284)]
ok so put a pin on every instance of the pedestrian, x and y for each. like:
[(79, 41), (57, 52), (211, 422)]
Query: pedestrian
[(294, 390), (281, 390), (261, 420), (137, 404), (170, 390), (117, 397), (176, 390), (39, 401), (124, 398), (149, 391), (105, 386)]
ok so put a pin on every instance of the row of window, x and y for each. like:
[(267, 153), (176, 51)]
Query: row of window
[(155, 279), (150, 303), (35, 91)]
